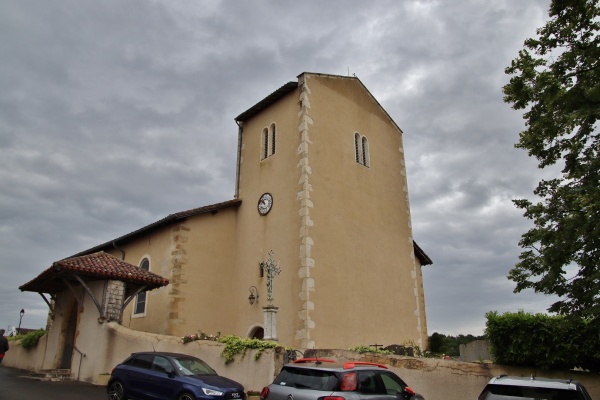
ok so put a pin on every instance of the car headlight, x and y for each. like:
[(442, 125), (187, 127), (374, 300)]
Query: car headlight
[(211, 392)]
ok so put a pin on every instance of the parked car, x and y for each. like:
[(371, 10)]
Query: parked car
[(317, 378), (514, 388), (169, 376)]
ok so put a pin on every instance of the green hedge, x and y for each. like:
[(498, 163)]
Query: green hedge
[(543, 341), (30, 339)]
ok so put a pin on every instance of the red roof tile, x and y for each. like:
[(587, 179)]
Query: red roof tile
[(90, 267)]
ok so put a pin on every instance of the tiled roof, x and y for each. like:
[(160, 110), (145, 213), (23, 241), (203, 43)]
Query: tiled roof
[(96, 266)]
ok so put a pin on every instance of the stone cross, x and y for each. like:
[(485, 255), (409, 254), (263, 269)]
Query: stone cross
[(271, 268)]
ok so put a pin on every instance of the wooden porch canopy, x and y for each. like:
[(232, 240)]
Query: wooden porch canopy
[(68, 273)]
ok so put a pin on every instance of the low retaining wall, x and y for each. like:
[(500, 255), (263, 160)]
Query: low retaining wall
[(27, 359), (111, 343), (453, 380), (433, 378)]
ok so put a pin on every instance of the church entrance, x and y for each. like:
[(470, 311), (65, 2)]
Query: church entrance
[(69, 338)]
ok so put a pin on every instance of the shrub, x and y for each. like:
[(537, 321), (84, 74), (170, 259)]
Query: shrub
[(369, 349), (236, 345), (200, 336), (30, 339), (543, 341)]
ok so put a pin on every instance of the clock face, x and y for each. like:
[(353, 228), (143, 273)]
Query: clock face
[(265, 203)]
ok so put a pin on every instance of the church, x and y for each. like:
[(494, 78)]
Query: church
[(315, 249)]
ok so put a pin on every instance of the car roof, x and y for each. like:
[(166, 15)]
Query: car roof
[(333, 365), (163, 353), (568, 384)]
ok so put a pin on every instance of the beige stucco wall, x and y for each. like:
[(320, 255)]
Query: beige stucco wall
[(158, 247), (278, 231), (361, 233), (196, 256)]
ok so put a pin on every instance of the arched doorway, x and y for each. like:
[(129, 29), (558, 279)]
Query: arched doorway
[(257, 333)]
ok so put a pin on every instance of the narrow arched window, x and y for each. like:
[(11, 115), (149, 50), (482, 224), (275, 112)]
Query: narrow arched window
[(273, 133), (361, 150), (365, 151), (268, 140), (357, 147), (140, 301), (265, 144)]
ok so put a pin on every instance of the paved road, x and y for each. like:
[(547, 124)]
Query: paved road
[(14, 386)]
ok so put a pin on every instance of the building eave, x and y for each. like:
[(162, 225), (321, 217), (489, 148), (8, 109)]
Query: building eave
[(421, 255), (267, 101), (170, 219)]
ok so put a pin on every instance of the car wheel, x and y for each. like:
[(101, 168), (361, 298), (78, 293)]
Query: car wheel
[(186, 396), (116, 391)]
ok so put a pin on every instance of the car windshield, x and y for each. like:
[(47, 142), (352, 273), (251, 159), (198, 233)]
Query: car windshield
[(501, 392), (193, 366), (301, 378)]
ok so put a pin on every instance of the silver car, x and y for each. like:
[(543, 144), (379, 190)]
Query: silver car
[(324, 379)]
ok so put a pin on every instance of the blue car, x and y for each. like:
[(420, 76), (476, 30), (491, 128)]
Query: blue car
[(169, 376)]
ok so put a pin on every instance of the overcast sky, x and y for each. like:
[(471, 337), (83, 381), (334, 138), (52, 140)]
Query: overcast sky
[(115, 114)]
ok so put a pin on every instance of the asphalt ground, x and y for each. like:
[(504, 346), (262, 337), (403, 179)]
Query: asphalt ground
[(15, 385)]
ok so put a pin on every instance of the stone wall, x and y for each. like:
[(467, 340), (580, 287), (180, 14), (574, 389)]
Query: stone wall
[(432, 378), (114, 300), (477, 350)]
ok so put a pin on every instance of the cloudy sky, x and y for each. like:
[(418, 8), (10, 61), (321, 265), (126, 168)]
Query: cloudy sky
[(114, 114)]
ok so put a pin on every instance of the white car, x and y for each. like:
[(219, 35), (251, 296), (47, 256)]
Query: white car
[(515, 388)]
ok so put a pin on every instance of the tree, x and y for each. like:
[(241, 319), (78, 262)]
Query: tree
[(436, 342), (555, 79), (449, 345)]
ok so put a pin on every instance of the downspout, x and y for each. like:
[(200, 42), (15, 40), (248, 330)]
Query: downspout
[(237, 164), (120, 249)]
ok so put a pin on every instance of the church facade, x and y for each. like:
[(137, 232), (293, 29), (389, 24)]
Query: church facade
[(315, 250)]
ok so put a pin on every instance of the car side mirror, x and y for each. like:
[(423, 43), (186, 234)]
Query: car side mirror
[(171, 374), (407, 393)]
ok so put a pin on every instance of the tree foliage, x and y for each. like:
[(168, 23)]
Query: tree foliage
[(556, 80), (449, 345)]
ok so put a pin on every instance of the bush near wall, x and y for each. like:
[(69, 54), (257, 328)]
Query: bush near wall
[(30, 339), (543, 341)]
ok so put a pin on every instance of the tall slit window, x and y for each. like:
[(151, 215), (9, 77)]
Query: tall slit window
[(273, 132), (140, 301), (268, 140), (265, 144), (361, 150)]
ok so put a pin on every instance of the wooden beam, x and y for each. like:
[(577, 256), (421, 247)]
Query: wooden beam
[(87, 288), (75, 294), (138, 291), (47, 302)]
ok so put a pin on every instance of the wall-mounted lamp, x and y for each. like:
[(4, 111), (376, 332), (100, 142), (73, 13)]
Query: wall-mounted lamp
[(253, 295)]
